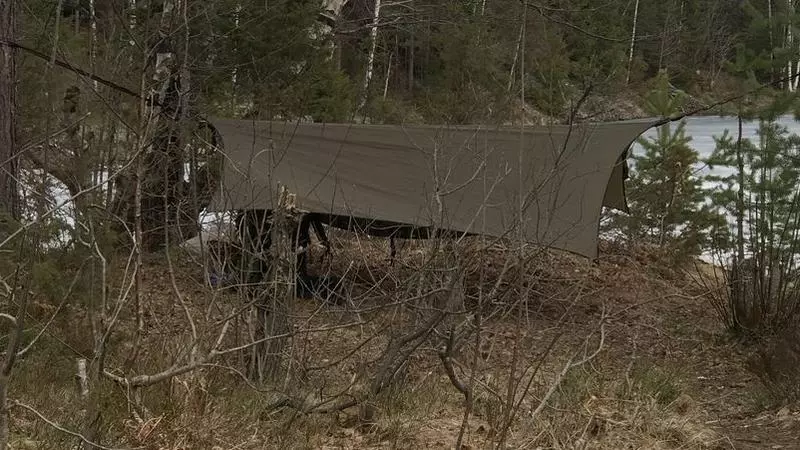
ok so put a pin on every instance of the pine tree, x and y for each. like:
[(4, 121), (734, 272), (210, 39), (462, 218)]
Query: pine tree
[(763, 264), (668, 202), (759, 193)]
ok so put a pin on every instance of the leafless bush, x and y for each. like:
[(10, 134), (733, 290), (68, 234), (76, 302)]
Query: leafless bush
[(776, 363), (755, 297)]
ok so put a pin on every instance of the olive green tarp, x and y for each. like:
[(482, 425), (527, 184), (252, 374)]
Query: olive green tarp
[(471, 179)]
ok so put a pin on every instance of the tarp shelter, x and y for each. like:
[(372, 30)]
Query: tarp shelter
[(472, 179)]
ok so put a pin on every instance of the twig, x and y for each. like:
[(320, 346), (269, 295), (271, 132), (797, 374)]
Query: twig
[(148, 380), (570, 364), (72, 68), (64, 430), (63, 302), (181, 299), (285, 335), (446, 356), (9, 318)]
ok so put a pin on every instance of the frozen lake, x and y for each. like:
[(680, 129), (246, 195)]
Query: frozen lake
[(702, 130)]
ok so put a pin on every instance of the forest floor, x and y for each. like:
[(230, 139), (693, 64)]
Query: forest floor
[(668, 376)]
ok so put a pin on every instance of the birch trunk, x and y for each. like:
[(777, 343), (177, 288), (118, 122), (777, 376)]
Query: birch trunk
[(411, 55), (388, 75), (662, 46), (771, 39), (633, 40), (92, 40), (789, 64), (796, 79), (791, 84), (371, 58), (234, 76), (132, 21), (739, 222), (516, 58)]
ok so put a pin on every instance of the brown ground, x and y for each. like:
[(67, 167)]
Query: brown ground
[(668, 377)]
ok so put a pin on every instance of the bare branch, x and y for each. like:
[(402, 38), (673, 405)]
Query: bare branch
[(64, 430), (9, 318), (446, 356), (569, 365), (61, 305)]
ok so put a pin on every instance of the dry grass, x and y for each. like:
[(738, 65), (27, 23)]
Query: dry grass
[(649, 388)]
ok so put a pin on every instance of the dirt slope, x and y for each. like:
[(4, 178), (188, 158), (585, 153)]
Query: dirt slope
[(667, 376)]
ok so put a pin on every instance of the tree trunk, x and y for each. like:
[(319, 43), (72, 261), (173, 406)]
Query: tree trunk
[(9, 197), (14, 338), (411, 61), (633, 40), (410, 55), (788, 44), (512, 72), (740, 196), (270, 319), (162, 188), (92, 404), (771, 41), (93, 40), (664, 33), (237, 11), (370, 58), (388, 75), (739, 288)]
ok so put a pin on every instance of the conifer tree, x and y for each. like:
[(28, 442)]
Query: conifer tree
[(760, 195), (667, 198)]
